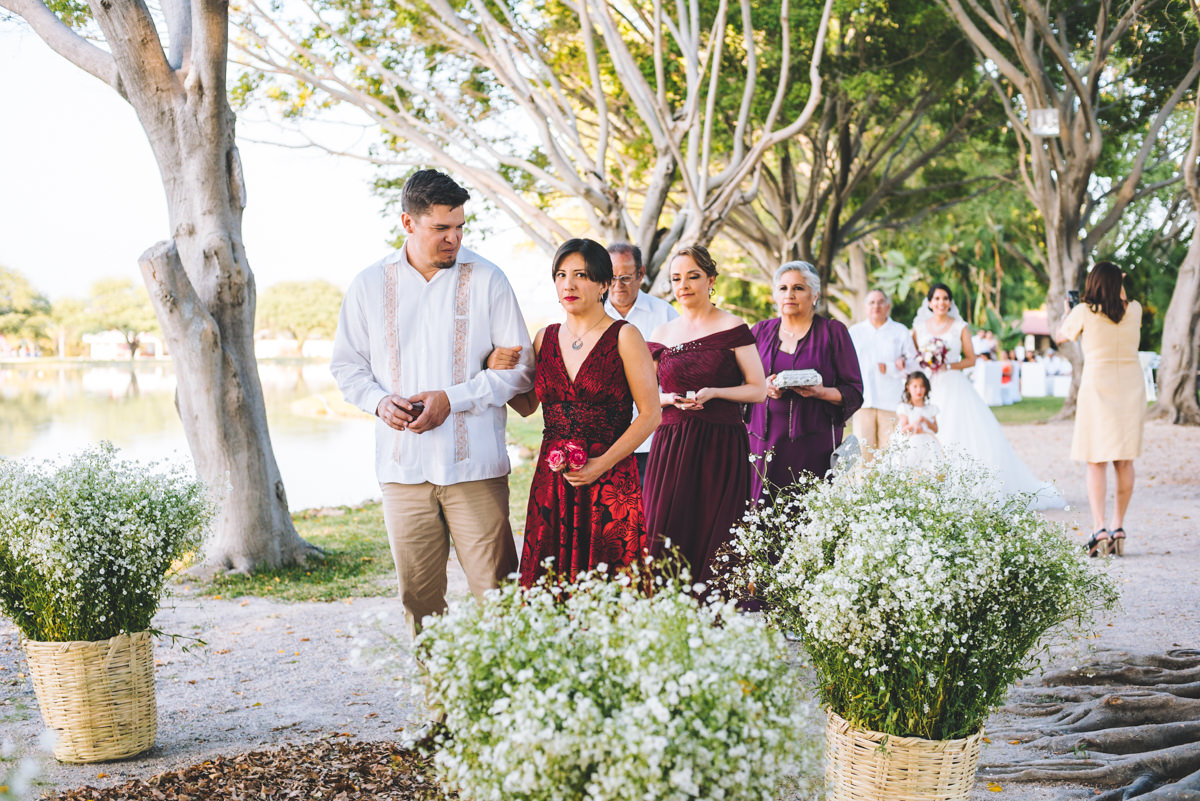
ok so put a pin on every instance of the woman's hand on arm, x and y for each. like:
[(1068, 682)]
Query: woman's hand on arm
[(526, 403), (502, 358)]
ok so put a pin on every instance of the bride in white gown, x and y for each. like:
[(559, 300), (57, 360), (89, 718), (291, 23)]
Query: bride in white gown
[(965, 421)]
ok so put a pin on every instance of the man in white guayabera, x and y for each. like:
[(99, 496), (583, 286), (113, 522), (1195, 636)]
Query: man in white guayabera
[(627, 301), (884, 349), (414, 332)]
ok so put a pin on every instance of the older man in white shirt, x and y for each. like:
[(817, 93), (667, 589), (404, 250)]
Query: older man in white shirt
[(883, 347), (414, 333), (627, 301)]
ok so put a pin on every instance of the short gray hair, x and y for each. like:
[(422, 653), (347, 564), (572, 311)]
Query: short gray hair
[(882, 294), (807, 270)]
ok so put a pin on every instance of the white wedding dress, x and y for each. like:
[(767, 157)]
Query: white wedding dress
[(966, 423)]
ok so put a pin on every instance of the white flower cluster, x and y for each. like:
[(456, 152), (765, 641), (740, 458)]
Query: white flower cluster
[(920, 594), (85, 547), (598, 692)]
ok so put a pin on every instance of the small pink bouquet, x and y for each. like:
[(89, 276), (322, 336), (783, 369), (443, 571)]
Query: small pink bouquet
[(571, 455), (932, 355)]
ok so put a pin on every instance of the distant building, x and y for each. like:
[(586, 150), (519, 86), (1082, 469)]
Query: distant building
[(111, 346)]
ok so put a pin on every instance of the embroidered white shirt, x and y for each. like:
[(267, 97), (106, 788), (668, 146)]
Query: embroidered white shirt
[(398, 333), (883, 344), (646, 314)]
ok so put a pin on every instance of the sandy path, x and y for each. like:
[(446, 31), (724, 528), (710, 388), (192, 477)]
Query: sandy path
[(274, 673)]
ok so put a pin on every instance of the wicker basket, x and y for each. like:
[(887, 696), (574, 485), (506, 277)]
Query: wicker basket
[(98, 697), (864, 765)]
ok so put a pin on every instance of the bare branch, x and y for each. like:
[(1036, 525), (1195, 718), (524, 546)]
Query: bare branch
[(62, 40), (1128, 191), (178, 14), (728, 195)]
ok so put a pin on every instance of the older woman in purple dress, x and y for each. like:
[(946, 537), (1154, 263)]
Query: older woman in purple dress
[(800, 426)]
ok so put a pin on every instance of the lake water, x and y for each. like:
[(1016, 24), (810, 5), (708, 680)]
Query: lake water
[(54, 409)]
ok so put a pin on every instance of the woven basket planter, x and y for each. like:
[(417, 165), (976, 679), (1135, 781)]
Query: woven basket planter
[(98, 697), (864, 765)]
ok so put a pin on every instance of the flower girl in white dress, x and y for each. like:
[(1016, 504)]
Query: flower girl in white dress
[(918, 419)]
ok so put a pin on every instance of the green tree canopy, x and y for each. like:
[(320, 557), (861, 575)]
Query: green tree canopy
[(119, 304), (24, 312), (301, 309)]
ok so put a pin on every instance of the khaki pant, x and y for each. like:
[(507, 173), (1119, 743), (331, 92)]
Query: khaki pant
[(421, 519), (874, 427)]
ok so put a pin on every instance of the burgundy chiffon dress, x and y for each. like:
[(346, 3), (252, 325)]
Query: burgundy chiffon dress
[(698, 472), (580, 527), (802, 433)]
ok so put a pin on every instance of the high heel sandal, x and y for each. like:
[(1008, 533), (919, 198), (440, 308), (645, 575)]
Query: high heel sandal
[(1098, 545), (1117, 542)]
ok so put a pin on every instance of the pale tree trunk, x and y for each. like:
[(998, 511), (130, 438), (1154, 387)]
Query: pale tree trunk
[(1177, 401), (1181, 344), (199, 281)]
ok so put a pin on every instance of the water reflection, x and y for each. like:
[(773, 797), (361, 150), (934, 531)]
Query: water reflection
[(52, 409)]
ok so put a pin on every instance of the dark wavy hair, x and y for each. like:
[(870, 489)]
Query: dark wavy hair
[(935, 287), (701, 256), (425, 189), (597, 264), (924, 380), (1102, 293)]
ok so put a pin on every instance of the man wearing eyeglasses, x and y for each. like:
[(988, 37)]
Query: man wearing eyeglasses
[(627, 301)]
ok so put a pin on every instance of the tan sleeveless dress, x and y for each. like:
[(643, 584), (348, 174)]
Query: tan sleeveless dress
[(1112, 394)]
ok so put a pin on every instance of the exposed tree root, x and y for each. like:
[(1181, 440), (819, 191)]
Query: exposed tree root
[(1125, 721), (1179, 666)]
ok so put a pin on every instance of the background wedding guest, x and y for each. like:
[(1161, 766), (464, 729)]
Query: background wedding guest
[(1112, 398), (627, 301), (884, 348), (585, 504), (412, 337), (801, 426), (698, 473)]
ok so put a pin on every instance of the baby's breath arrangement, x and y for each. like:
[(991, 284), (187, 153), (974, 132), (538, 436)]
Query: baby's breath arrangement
[(86, 546), (920, 595), (596, 691)]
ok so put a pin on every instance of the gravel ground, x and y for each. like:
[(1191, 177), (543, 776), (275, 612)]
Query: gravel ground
[(275, 673)]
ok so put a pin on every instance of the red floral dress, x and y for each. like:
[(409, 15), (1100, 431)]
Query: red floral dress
[(580, 527)]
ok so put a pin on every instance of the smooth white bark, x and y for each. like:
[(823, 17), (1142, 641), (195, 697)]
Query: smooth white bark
[(199, 281)]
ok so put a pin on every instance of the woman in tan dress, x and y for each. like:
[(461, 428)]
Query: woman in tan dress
[(1112, 398)]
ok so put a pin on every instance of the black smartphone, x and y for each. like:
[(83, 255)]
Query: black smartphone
[(1072, 298), (417, 408)]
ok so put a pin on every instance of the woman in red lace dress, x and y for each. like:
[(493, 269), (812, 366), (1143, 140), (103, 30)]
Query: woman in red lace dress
[(698, 473), (585, 504)]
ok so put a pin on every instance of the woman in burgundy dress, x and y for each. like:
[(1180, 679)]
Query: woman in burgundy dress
[(585, 504), (801, 426), (698, 472)]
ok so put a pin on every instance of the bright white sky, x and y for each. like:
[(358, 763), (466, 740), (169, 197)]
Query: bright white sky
[(80, 196)]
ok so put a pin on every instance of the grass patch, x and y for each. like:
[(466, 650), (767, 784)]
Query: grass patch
[(526, 434), (1028, 410), (358, 560)]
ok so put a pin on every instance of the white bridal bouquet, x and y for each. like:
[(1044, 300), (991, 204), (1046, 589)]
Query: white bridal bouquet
[(597, 691), (86, 546), (919, 595)]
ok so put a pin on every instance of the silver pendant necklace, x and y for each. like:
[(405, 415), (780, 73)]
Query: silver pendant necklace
[(577, 342)]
